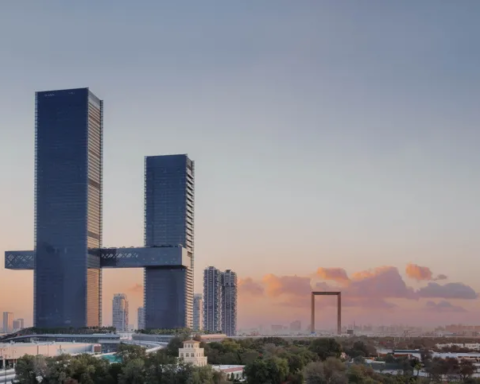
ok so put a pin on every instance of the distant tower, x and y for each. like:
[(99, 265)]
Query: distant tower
[(229, 302), (120, 312), (141, 318), (7, 322), (212, 300), (197, 312)]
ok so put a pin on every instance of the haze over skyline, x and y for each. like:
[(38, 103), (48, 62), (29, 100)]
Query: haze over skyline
[(325, 135)]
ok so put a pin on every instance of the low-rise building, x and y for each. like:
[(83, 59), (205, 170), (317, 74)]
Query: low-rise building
[(191, 353)]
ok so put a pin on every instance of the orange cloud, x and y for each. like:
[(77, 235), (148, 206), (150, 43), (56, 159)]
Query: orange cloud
[(418, 273), (248, 286), (290, 285), (333, 274)]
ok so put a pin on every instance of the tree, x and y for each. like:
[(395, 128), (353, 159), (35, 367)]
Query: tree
[(173, 346), (467, 369), (25, 370), (133, 372), (267, 371), (325, 348), (332, 367), (127, 352), (314, 373)]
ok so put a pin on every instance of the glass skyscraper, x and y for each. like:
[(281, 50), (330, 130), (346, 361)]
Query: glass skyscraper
[(68, 208), (169, 217)]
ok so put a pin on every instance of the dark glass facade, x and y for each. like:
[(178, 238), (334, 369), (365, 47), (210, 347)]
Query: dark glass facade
[(169, 218), (68, 208)]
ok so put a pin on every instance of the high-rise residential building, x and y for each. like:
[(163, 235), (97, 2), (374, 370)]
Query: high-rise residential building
[(141, 318), (18, 324), (220, 301), (229, 302), (197, 312), (7, 322), (212, 300), (169, 218), (68, 208), (120, 312)]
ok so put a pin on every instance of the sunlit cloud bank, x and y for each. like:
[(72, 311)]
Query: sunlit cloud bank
[(377, 292)]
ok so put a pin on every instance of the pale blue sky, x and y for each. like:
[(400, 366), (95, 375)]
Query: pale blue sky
[(325, 133)]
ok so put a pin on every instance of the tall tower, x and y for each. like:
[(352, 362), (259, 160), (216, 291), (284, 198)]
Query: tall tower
[(229, 303), (68, 208), (212, 300), (197, 312), (7, 322), (120, 312), (141, 318), (169, 217)]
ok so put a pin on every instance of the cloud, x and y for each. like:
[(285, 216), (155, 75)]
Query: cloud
[(248, 286), (420, 273), (286, 285), (136, 289), (443, 307), (447, 291), (382, 282), (333, 274)]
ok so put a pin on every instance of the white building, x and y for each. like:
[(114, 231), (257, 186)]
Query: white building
[(191, 353), (120, 312), (197, 312)]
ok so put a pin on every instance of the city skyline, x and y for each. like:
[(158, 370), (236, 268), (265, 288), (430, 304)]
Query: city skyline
[(326, 135)]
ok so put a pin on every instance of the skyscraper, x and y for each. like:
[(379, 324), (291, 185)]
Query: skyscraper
[(68, 213), (212, 300), (197, 312), (169, 216), (229, 302), (120, 312), (141, 318), (7, 322)]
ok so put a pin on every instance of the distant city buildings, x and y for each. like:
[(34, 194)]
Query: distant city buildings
[(18, 324), (220, 301), (197, 312), (141, 318), (120, 312), (296, 326), (7, 322)]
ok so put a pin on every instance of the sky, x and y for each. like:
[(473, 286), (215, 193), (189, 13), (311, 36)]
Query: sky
[(326, 134)]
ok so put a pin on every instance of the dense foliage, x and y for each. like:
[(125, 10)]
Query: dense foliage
[(136, 367), (267, 361)]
